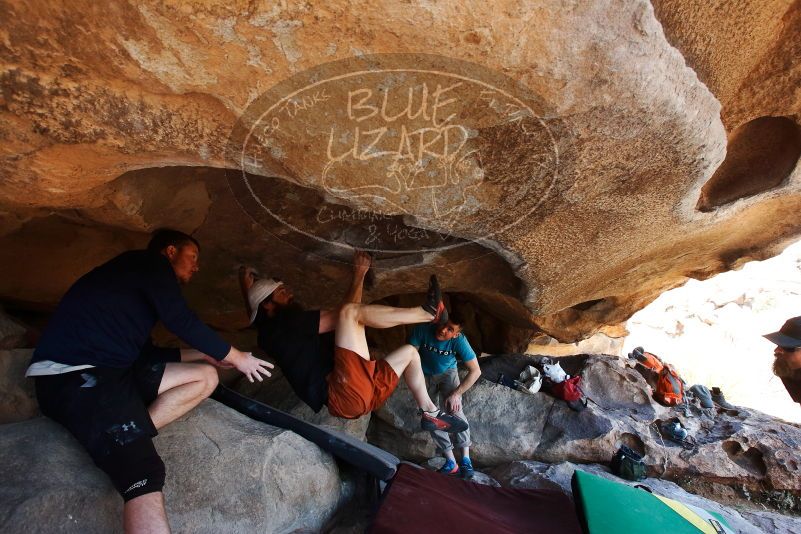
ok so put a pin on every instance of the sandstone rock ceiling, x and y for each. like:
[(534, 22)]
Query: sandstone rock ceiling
[(116, 118)]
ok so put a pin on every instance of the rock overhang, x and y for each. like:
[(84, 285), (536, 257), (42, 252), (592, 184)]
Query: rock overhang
[(121, 122)]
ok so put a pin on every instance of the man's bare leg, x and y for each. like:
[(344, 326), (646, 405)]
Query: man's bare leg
[(405, 361), (183, 386), (146, 515), (354, 317)]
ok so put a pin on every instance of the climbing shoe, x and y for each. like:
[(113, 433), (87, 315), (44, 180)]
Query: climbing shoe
[(450, 468), (466, 468), (434, 304), (439, 420), (720, 400)]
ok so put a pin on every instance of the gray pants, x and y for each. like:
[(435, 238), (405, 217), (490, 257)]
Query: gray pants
[(439, 388)]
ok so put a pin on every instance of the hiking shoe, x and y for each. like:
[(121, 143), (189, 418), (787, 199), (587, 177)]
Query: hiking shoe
[(450, 468), (440, 420), (434, 304), (702, 394), (466, 468), (720, 400)]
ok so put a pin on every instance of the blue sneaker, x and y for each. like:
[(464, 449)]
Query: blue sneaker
[(450, 468), (466, 467)]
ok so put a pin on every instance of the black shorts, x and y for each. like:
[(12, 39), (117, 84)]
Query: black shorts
[(106, 410)]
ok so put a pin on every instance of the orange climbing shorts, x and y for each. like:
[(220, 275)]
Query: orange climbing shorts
[(357, 386)]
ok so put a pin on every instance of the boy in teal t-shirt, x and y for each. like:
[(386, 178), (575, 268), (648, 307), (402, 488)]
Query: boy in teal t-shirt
[(439, 347)]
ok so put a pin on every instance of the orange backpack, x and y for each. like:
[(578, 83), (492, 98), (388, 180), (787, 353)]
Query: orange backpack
[(652, 362), (669, 387)]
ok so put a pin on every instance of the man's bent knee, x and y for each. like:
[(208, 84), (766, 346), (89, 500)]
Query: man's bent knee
[(411, 352), (350, 312), (210, 378), (401, 357)]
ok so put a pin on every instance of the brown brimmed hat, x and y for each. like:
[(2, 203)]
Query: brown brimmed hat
[(789, 335)]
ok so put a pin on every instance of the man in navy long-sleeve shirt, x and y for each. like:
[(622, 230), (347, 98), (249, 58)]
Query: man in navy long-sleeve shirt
[(98, 374)]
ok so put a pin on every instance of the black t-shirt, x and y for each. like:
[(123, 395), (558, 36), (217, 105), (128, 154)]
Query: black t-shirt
[(106, 317), (305, 357)]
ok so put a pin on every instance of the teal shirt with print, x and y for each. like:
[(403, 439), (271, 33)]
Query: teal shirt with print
[(439, 356)]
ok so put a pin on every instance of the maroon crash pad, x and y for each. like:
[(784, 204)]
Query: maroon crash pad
[(419, 501)]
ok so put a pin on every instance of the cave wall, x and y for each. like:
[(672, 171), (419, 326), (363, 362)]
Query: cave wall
[(662, 144)]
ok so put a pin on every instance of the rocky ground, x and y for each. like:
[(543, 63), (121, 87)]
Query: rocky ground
[(742, 448), (229, 473)]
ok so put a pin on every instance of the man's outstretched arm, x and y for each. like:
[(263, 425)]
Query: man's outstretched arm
[(361, 264), (194, 355)]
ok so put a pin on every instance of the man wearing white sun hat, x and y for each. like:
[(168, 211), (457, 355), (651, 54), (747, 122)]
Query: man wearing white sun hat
[(324, 355)]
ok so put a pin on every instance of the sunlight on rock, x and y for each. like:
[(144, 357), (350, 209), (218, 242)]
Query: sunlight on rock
[(712, 331)]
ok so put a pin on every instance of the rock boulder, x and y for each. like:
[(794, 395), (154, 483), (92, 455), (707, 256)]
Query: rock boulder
[(276, 392), (225, 473), (17, 396), (735, 447)]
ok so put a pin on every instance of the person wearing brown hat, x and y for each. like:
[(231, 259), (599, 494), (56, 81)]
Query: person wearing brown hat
[(324, 355), (787, 364)]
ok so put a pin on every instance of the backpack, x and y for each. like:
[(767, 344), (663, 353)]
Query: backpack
[(669, 387), (568, 389), (651, 361), (628, 464)]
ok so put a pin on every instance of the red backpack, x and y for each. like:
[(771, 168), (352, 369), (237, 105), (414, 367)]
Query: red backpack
[(669, 387), (568, 390)]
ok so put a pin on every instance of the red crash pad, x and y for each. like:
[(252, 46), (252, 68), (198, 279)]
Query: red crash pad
[(419, 501)]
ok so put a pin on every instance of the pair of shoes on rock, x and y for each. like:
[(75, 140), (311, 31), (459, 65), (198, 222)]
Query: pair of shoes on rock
[(464, 469), (434, 304), (439, 420)]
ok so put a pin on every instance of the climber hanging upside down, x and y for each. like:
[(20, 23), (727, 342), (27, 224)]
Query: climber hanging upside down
[(324, 354)]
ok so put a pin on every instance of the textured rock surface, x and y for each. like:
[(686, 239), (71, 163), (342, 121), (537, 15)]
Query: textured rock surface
[(769, 522), (12, 333), (115, 119), (17, 396), (537, 475), (735, 447), (276, 392), (225, 473)]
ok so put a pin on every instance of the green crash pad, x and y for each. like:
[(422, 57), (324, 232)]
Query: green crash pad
[(608, 507)]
